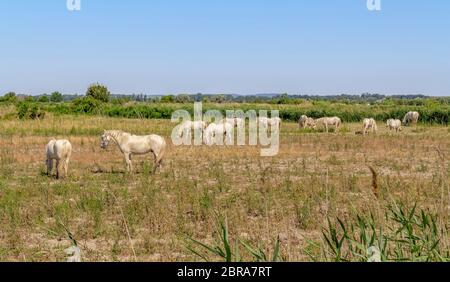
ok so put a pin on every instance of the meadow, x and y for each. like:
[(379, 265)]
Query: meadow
[(317, 200)]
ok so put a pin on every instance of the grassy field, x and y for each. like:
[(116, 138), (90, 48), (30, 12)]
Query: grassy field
[(316, 177)]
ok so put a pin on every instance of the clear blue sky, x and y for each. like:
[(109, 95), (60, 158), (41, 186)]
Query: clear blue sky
[(226, 46)]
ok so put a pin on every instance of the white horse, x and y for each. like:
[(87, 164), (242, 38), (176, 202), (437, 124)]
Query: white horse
[(369, 124), (264, 122), (239, 122), (136, 145), (218, 129), (411, 118), (394, 124), (235, 121), (329, 121), (302, 121), (276, 121), (59, 150), (188, 126)]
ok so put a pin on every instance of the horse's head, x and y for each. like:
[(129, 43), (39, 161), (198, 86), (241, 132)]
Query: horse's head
[(105, 140)]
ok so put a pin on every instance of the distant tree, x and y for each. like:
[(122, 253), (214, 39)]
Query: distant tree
[(219, 99), (198, 97), (167, 99), (9, 97), (98, 92), (56, 97), (43, 99), (182, 98), (283, 99)]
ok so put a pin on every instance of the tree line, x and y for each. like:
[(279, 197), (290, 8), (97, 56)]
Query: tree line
[(351, 108)]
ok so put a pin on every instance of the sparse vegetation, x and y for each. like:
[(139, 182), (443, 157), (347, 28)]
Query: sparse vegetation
[(318, 185), (410, 235)]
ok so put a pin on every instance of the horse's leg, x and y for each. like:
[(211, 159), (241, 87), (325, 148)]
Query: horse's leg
[(155, 162), (66, 166), (49, 166), (128, 162), (158, 158), (58, 164)]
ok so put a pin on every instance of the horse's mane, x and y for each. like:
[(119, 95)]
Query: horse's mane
[(115, 134)]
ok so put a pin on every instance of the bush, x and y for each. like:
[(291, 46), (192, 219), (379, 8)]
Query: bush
[(167, 99), (29, 99), (9, 97), (87, 105), (56, 97), (43, 99), (98, 92), (27, 110)]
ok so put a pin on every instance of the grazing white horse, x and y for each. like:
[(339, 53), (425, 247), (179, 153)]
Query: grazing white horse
[(220, 129), (302, 121), (411, 118), (136, 145), (59, 150), (235, 121), (369, 124), (394, 124), (306, 122), (265, 122), (276, 121), (311, 123), (329, 121), (188, 126)]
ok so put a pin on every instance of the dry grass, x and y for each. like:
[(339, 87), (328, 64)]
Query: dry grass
[(119, 217)]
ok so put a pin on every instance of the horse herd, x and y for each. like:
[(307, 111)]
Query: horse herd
[(61, 150), (222, 128), (369, 124)]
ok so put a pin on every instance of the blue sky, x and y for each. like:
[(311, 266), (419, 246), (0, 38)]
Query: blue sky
[(226, 46)]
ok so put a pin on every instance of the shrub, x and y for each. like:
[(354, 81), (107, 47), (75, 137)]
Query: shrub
[(167, 99), (9, 97), (87, 105), (43, 99), (56, 97), (98, 92), (27, 110), (29, 99)]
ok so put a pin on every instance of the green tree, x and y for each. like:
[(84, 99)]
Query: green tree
[(167, 99), (9, 97), (56, 97), (183, 98), (284, 99), (98, 92), (43, 99)]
